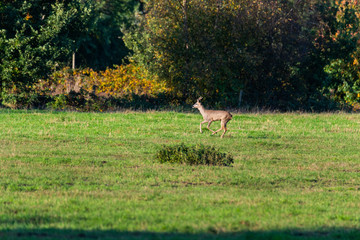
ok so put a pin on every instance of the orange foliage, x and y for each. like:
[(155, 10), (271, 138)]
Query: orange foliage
[(125, 80), (122, 81)]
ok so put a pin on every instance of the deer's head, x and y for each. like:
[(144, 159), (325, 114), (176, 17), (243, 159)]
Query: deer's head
[(197, 104)]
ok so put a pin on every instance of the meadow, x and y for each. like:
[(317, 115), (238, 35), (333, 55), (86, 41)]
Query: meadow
[(71, 175)]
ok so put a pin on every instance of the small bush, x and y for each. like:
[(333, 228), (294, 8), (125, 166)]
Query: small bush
[(79, 101), (23, 100), (194, 155)]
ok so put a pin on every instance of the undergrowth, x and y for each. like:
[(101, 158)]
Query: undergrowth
[(194, 155)]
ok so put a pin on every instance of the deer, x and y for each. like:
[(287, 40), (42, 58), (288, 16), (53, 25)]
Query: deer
[(213, 115)]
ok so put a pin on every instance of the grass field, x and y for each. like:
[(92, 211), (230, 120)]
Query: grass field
[(68, 175)]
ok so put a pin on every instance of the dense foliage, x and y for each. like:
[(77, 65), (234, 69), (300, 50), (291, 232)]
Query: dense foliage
[(36, 37), (342, 84), (193, 155), (239, 53), (124, 86), (100, 90), (271, 53)]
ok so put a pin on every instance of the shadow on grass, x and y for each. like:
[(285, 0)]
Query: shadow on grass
[(328, 234)]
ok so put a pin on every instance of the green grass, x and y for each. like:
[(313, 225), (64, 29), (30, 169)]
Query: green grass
[(93, 175)]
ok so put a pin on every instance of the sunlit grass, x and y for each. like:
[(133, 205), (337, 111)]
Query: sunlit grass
[(72, 175)]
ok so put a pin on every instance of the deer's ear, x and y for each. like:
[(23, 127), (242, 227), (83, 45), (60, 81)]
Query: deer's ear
[(199, 99)]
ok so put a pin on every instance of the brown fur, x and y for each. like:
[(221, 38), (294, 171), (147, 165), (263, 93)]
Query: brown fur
[(213, 115)]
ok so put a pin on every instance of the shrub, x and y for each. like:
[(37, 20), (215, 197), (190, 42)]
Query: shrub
[(23, 100), (79, 101), (194, 155), (125, 86), (123, 81), (126, 81)]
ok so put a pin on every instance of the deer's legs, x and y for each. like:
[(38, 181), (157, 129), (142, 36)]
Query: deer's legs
[(223, 127), (202, 124), (208, 127)]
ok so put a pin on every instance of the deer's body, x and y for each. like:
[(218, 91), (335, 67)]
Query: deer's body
[(213, 115)]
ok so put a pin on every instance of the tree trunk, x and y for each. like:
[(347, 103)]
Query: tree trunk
[(73, 60), (240, 97)]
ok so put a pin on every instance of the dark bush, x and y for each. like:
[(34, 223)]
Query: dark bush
[(23, 100), (194, 155), (79, 101)]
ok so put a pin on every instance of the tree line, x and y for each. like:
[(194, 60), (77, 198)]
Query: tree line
[(277, 54)]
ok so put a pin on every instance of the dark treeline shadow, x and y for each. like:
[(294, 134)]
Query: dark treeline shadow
[(296, 234), (84, 101)]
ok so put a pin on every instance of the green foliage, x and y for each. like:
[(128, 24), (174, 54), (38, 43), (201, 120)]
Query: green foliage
[(274, 54), (102, 45), (37, 37), (25, 100), (194, 155), (343, 77), (217, 48), (343, 84), (79, 101)]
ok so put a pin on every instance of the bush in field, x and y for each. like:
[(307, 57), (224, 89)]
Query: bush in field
[(194, 155)]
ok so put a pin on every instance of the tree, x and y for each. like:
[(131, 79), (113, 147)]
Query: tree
[(343, 80), (103, 45), (217, 49), (36, 36)]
